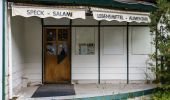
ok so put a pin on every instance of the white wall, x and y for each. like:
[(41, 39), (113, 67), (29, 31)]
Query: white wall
[(1, 25), (113, 52), (17, 51), (53, 21), (139, 48), (33, 50), (85, 67), (26, 51)]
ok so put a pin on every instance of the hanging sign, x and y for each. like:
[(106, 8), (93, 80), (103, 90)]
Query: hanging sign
[(109, 16), (44, 12)]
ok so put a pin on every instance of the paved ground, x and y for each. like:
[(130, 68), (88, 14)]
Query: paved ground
[(90, 90)]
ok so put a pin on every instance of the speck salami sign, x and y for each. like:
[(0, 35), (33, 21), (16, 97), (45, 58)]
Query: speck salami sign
[(109, 16), (44, 12)]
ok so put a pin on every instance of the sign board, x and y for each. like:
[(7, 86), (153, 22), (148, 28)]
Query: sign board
[(109, 16), (44, 12)]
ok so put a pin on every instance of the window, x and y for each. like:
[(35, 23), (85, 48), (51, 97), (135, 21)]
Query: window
[(85, 40)]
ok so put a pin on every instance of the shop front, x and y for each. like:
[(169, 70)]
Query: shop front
[(77, 44)]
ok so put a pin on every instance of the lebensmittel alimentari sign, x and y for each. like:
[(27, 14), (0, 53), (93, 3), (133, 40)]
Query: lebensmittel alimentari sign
[(109, 16)]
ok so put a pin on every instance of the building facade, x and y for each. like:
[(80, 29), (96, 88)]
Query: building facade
[(76, 43)]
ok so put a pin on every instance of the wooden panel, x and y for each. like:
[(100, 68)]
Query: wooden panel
[(57, 56)]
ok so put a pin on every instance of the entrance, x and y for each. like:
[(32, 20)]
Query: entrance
[(57, 55)]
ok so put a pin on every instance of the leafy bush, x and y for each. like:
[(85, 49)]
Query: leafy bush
[(160, 27), (162, 93)]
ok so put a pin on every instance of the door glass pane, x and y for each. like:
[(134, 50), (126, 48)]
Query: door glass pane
[(62, 34), (62, 46), (62, 51), (51, 48), (51, 35)]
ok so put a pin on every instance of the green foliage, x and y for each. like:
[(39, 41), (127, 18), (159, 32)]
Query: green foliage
[(160, 27), (161, 95)]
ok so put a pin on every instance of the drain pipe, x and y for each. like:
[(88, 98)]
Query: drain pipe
[(9, 44), (3, 50)]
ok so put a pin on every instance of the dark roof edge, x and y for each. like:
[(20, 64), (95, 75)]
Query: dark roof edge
[(151, 7)]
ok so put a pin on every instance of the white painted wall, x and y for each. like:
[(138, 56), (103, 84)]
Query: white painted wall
[(53, 21), (139, 48), (85, 67), (17, 28), (26, 51), (113, 52), (1, 24), (33, 50)]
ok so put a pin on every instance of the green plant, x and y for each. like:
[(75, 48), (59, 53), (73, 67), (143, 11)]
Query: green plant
[(160, 27), (162, 93)]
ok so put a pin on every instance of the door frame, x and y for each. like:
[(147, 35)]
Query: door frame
[(43, 45)]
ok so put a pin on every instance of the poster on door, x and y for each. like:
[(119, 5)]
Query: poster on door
[(62, 52)]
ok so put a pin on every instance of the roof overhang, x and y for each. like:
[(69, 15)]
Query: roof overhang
[(111, 4)]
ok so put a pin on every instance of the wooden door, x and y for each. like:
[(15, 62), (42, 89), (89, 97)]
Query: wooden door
[(56, 55)]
